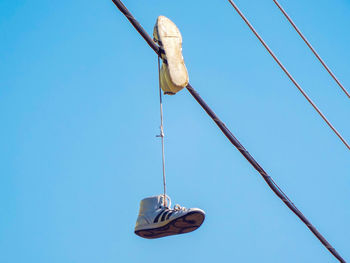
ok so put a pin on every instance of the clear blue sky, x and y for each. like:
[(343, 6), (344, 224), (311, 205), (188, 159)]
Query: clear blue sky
[(79, 115)]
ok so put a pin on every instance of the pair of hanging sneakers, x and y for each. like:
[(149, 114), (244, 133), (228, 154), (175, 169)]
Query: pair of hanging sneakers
[(156, 219)]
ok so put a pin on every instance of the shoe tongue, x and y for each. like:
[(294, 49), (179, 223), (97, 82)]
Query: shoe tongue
[(152, 203)]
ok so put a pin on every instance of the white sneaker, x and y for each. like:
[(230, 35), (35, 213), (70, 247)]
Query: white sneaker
[(173, 73), (157, 220)]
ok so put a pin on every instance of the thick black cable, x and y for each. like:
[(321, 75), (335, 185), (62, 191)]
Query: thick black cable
[(233, 139)]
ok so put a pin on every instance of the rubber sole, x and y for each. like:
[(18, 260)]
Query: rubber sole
[(171, 39), (180, 225)]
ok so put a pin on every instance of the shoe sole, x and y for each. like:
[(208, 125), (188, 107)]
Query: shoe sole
[(180, 225), (171, 41)]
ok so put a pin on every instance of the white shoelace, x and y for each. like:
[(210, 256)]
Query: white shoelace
[(178, 208)]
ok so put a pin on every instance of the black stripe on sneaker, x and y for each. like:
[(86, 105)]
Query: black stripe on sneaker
[(164, 215), (157, 217), (168, 216)]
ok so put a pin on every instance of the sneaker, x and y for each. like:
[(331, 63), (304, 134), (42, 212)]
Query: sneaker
[(156, 219), (173, 73)]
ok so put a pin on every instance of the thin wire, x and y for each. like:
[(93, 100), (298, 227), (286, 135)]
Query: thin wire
[(233, 139), (312, 49), (288, 74), (161, 135), (268, 179)]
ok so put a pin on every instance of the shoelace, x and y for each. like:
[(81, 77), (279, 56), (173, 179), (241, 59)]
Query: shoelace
[(179, 208), (167, 202)]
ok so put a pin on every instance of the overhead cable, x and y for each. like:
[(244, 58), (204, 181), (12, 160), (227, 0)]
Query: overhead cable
[(232, 138), (288, 74), (312, 49)]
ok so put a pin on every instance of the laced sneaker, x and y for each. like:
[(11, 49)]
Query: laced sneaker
[(156, 219), (173, 73)]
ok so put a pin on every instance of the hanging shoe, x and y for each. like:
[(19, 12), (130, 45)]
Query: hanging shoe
[(158, 220), (173, 73)]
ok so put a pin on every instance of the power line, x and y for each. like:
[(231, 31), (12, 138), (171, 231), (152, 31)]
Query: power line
[(312, 49), (288, 74), (232, 138)]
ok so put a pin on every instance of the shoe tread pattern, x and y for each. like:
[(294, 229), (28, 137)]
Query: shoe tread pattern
[(180, 225)]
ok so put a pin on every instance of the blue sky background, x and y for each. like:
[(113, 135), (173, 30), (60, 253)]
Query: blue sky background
[(79, 115)]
